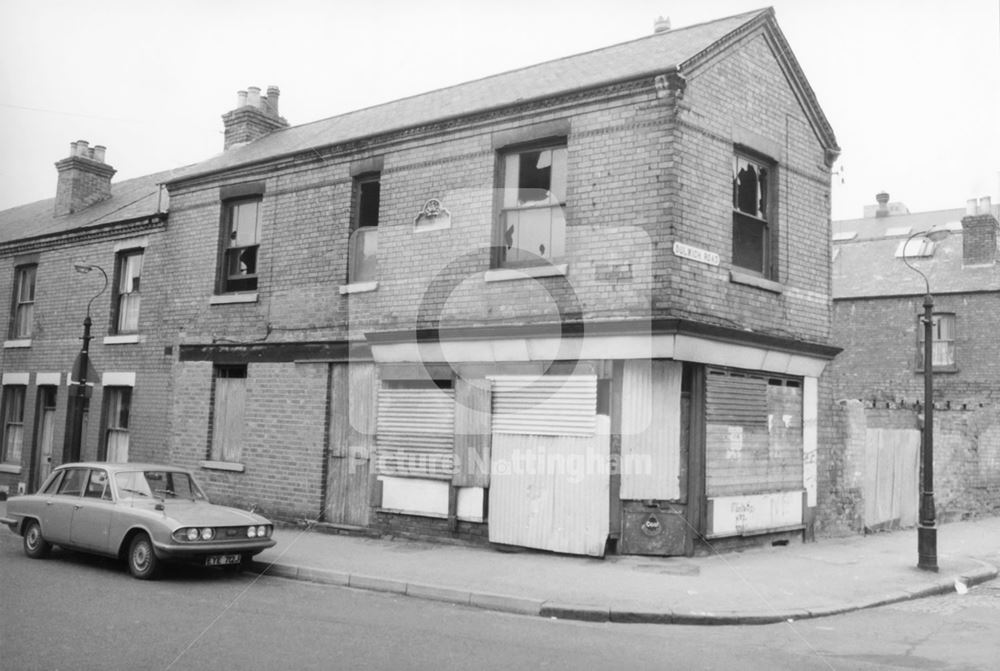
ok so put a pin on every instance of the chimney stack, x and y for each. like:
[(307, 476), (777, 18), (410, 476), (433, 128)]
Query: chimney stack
[(883, 204), (84, 178), (254, 117), (979, 233)]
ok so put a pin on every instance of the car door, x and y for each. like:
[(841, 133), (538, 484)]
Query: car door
[(91, 519), (57, 516)]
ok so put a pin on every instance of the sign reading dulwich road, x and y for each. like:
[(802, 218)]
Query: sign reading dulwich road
[(695, 254)]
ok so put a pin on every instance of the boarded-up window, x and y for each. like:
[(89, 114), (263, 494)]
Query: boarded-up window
[(753, 433), (415, 430), (228, 413), (549, 405)]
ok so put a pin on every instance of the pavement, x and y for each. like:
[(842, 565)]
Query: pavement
[(754, 586)]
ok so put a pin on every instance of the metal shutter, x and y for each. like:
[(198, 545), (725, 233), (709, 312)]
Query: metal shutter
[(415, 432), (548, 405)]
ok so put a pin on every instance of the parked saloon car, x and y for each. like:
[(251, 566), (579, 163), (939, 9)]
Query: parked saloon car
[(143, 513)]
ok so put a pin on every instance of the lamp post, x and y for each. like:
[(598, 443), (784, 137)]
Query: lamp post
[(76, 433), (926, 531)]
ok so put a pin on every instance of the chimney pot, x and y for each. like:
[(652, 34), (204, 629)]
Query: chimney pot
[(985, 205), (971, 207), (272, 99), (241, 99), (882, 198), (99, 152), (82, 147), (253, 96), (661, 25)]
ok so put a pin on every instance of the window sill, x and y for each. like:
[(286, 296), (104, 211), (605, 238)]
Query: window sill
[(508, 274), (127, 339), (226, 299), (17, 344), (939, 369), (358, 288), (10, 468), (222, 466), (737, 277)]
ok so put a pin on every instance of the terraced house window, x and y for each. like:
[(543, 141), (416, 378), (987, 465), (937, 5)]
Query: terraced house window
[(754, 196), (241, 244), (532, 225), (362, 262), (942, 345), (12, 418), (24, 301), (128, 269), (117, 405)]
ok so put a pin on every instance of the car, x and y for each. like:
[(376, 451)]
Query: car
[(144, 514)]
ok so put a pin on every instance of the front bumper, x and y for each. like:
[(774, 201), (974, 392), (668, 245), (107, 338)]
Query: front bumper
[(12, 523), (194, 550)]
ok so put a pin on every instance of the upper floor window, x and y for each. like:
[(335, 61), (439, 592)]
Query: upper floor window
[(532, 225), (128, 269), (241, 240), (362, 262), (24, 301), (942, 345), (754, 191), (12, 423)]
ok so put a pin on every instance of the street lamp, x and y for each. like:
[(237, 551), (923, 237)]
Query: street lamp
[(926, 531), (76, 438)]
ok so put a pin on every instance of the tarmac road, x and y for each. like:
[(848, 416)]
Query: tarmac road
[(79, 612)]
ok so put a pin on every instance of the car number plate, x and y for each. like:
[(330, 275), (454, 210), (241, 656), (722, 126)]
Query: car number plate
[(222, 560)]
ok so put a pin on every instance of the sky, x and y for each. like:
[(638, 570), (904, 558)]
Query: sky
[(911, 87)]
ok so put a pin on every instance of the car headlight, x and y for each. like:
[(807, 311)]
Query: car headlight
[(251, 532), (192, 534), (262, 531), (207, 533)]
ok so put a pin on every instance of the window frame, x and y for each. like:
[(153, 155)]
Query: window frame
[(111, 424), (501, 231), (952, 366), (229, 283), (362, 228), (766, 218), (19, 306), (8, 404), (117, 295)]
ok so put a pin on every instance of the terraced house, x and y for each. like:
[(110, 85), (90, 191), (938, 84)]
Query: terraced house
[(582, 306)]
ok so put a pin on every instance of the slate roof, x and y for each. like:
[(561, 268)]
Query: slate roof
[(866, 266), (649, 55), (130, 199)]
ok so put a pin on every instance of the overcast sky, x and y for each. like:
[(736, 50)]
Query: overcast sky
[(911, 87)]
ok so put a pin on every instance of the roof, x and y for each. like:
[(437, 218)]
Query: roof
[(679, 48), (130, 199), (865, 265)]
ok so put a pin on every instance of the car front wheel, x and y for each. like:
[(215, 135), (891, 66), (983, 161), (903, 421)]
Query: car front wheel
[(35, 545), (142, 561)]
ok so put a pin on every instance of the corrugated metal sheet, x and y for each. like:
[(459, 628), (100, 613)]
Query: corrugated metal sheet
[(473, 433), (416, 432), (753, 434), (548, 405), (551, 492), (651, 430)]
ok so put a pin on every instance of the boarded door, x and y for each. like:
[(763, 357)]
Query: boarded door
[(352, 440), (550, 482), (892, 467)]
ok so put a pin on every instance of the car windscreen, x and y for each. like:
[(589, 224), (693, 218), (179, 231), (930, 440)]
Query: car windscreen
[(158, 484)]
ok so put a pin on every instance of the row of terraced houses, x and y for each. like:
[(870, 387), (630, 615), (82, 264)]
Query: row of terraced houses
[(584, 306)]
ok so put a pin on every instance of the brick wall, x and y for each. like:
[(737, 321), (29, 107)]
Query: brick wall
[(880, 342)]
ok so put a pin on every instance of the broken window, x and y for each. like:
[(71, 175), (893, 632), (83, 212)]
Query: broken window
[(942, 345), (752, 216), (532, 220), (128, 269), (242, 240), (24, 301), (362, 263)]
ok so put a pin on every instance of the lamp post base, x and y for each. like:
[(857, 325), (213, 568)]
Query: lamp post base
[(927, 548)]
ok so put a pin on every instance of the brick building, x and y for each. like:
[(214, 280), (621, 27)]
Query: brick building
[(877, 320), (106, 230), (580, 305)]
